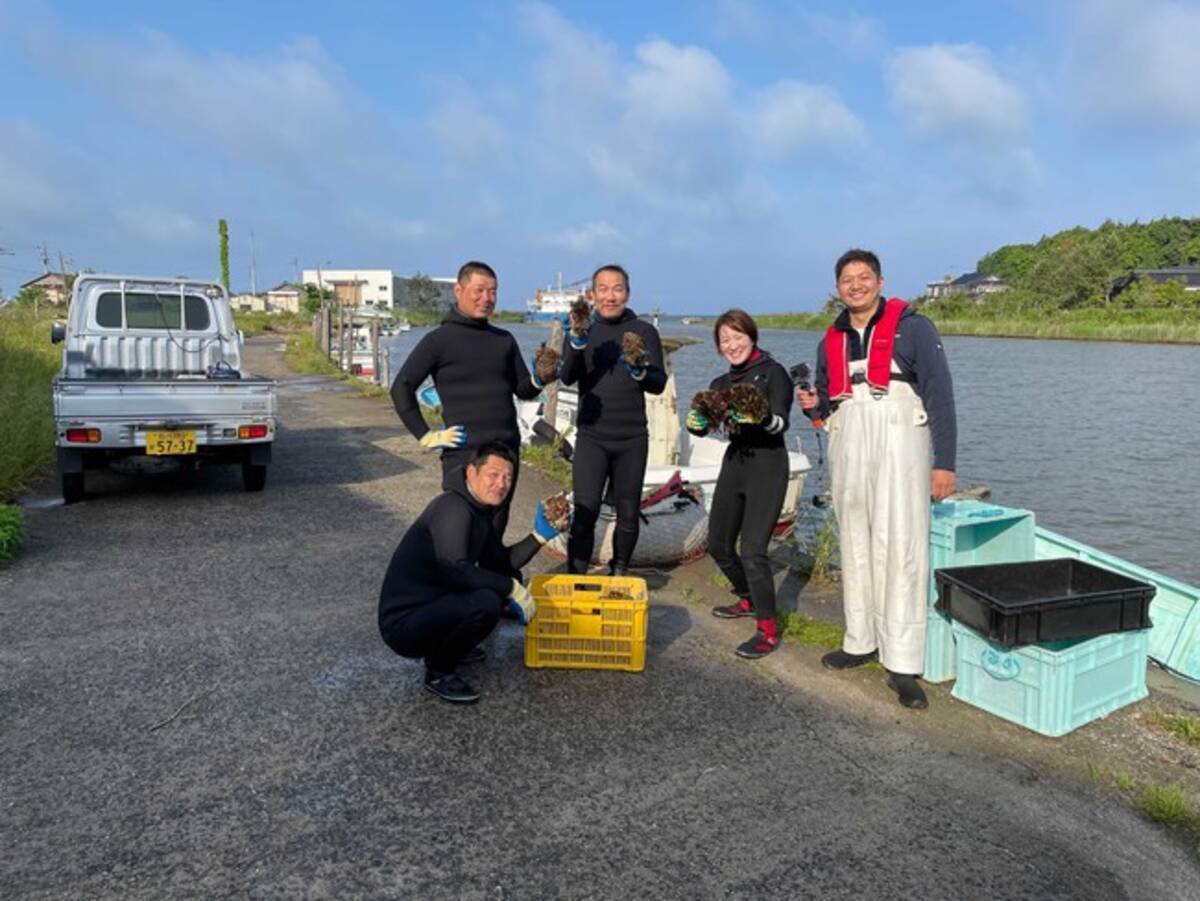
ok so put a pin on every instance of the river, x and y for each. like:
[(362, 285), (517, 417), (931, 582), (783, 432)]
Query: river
[(1101, 440)]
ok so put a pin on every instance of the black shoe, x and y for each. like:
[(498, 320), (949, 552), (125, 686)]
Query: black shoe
[(842, 660), (451, 687), (614, 570), (476, 655), (909, 691), (734, 611), (756, 647)]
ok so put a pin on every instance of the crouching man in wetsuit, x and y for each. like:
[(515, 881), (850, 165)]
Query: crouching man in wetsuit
[(450, 575), (883, 388)]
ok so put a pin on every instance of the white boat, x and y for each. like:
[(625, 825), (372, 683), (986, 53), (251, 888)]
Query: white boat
[(672, 449), (550, 303)]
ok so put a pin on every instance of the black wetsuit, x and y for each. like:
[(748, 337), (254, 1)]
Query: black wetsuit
[(752, 485), (447, 581), (613, 440), (476, 368)]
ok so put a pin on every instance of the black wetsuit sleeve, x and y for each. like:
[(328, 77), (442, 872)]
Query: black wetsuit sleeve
[(524, 388), (509, 560), (451, 534), (821, 385), (936, 389), (655, 379), (417, 367), (779, 391), (573, 364)]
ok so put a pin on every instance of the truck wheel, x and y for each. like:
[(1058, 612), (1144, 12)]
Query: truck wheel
[(254, 476), (72, 487)]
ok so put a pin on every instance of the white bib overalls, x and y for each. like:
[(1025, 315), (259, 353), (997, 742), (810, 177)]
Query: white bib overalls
[(880, 458)]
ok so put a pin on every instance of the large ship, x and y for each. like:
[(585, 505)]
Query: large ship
[(554, 302)]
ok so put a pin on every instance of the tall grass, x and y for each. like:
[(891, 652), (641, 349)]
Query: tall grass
[(254, 323), (28, 362)]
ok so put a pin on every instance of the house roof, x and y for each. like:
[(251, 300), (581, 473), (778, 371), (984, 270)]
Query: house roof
[(974, 278), (284, 287), (46, 278), (1189, 275)]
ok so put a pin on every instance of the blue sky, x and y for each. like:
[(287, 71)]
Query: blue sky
[(725, 152)]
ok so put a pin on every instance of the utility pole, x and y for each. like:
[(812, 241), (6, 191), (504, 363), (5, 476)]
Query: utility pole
[(45, 259), (253, 261), (296, 264), (62, 269)]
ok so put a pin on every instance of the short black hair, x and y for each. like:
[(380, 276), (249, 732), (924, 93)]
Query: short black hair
[(475, 267), (739, 321), (493, 449), (612, 267), (857, 256)]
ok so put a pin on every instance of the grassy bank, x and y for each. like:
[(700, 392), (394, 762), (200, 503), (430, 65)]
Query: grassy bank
[(1146, 325), (303, 355), (1151, 326), (253, 324), (28, 361)]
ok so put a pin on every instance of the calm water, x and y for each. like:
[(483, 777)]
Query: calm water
[(1100, 440)]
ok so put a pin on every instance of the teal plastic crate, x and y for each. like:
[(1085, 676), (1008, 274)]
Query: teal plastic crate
[(1174, 612), (1053, 687), (968, 533)]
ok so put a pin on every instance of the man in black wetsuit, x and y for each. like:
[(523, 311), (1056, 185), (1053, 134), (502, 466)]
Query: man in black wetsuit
[(450, 575), (476, 368), (613, 440)]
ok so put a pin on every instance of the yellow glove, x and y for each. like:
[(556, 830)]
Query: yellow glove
[(445, 439), (522, 603)]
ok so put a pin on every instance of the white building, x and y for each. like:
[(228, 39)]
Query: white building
[(381, 288), (357, 287)]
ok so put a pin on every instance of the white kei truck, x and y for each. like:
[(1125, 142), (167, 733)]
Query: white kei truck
[(152, 369)]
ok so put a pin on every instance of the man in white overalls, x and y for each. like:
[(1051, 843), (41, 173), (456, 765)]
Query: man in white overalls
[(884, 392)]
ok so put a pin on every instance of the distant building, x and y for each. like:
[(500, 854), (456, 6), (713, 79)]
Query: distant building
[(379, 288), (284, 298), (974, 284), (248, 303), (1188, 275), (54, 286)]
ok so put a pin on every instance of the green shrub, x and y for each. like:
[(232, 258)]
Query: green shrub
[(12, 532)]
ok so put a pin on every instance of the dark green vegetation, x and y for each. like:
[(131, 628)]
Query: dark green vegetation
[(1066, 285)]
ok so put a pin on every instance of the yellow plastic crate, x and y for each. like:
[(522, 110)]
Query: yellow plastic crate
[(576, 627)]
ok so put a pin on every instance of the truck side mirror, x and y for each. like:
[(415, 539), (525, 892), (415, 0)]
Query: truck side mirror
[(58, 332)]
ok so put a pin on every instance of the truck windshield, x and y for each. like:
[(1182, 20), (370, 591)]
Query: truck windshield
[(146, 310)]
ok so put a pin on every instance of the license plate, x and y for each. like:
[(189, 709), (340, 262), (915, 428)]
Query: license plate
[(170, 442)]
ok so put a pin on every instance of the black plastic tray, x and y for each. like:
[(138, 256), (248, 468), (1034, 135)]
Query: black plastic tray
[(1043, 600)]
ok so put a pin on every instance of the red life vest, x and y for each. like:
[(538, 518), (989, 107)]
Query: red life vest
[(879, 352)]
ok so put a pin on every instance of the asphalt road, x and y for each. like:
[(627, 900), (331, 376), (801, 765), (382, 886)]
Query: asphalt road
[(308, 762)]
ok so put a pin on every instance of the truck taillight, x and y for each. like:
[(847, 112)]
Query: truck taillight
[(252, 431), (83, 436)]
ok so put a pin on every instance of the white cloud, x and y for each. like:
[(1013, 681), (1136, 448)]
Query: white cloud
[(669, 125), (955, 91), (790, 115), (1136, 63), (157, 225), (676, 84), (586, 238), (858, 34), (38, 180), (290, 111), (464, 127)]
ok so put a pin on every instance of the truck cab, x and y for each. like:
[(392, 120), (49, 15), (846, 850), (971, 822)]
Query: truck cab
[(152, 368)]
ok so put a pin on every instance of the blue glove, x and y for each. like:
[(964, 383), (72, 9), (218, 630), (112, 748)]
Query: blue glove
[(542, 528), (579, 342), (445, 439), (637, 373), (521, 603), (533, 376)]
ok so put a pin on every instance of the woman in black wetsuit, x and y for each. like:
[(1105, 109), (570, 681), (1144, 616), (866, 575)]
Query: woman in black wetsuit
[(613, 439), (753, 480)]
